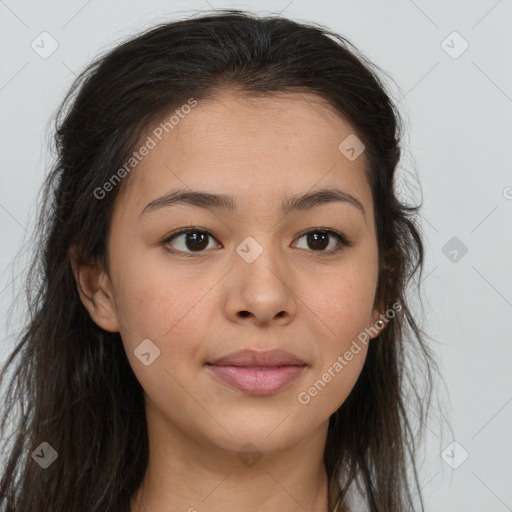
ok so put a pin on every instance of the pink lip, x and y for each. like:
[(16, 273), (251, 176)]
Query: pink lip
[(257, 380), (259, 373), (248, 357)]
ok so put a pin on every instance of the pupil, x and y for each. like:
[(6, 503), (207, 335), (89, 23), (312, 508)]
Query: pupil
[(198, 241), (191, 237), (313, 239)]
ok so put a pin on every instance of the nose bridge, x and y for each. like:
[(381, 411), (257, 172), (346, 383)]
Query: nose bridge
[(260, 248), (259, 222)]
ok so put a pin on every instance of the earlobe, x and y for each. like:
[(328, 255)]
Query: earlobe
[(378, 323), (95, 290)]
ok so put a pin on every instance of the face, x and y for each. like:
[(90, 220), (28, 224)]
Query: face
[(250, 276)]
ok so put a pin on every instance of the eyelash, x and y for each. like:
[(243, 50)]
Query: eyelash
[(342, 239)]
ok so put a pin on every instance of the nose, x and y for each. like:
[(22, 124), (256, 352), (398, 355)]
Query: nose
[(261, 290)]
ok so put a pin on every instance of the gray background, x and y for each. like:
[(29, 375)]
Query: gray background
[(458, 112)]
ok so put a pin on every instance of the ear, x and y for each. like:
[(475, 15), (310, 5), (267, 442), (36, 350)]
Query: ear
[(95, 290)]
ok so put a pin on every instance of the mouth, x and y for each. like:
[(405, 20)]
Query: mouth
[(258, 373)]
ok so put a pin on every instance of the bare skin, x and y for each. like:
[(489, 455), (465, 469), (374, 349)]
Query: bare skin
[(260, 151)]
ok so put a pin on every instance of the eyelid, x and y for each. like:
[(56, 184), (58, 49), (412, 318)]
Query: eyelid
[(189, 229), (343, 241)]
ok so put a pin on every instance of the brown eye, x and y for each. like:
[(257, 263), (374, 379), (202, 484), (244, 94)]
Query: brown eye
[(195, 240), (190, 240), (319, 239)]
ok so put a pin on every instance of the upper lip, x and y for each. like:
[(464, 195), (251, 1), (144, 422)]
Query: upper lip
[(249, 357)]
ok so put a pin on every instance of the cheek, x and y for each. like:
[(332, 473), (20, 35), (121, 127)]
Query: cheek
[(344, 300), (164, 307), (343, 311), (158, 302), (341, 349), (346, 314)]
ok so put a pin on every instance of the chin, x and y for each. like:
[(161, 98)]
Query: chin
[(262, 432)]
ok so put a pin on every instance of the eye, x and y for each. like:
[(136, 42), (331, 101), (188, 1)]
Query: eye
[(318, 238), (195, 240)]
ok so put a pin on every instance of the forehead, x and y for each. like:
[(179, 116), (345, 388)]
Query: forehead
[(241, 126), (254, 148)]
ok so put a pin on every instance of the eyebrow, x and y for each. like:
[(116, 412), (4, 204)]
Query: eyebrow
[(207, 200)]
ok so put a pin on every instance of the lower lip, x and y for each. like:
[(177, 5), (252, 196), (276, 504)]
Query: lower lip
[(257, 380)]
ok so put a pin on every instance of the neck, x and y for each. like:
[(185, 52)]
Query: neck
[(186, 474)]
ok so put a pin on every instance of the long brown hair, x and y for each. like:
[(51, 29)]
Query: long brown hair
[(71, 380)]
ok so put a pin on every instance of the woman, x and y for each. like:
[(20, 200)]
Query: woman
[(220, 318)]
